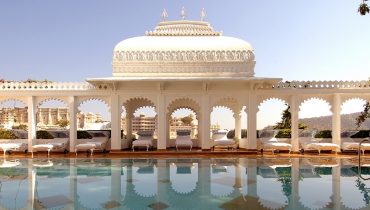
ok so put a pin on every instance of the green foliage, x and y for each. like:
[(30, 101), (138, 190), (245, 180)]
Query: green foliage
[(6, 134), (187, 120), (323, 170), (231, 134), (364, 115), (83, 135), (361, 134), (286, 120), (63, 123), (363, 8), (21, 127), (323, 134), (284, 133), (43, 135)]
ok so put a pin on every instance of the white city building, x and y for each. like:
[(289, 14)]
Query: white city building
[(184, 64)]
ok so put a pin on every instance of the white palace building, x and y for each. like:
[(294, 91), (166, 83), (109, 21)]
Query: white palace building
[(184, 64)]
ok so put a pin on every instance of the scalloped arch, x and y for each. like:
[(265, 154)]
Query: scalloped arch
[(14, 99), (46, 99), (265, 99), (183, 103), (84, 100), (354, 98), (315, 98), (230, 103), (132, 104)]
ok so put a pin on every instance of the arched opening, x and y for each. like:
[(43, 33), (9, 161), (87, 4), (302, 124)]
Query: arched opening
[(269, 121), (13, 115), (140, 116), (183, 119), (222, 118), (350, 110), (52, 114), (316, 115), (93, 121)]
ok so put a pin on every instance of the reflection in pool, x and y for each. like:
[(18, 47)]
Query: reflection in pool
[(239, 183)]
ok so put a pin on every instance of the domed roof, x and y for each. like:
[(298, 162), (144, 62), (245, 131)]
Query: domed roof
[(183, 49)]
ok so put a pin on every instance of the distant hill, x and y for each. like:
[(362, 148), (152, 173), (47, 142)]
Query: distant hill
[(324, 122)]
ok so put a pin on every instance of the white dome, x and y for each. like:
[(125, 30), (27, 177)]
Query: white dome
[(183, 49)]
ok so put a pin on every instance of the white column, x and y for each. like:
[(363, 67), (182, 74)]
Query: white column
[(31, 122), (163, 180), (206, 123), (50, 119), (336, 124), (238, 130), (162, 124), (115, 123), (72, 123), (294, 129), (252, 122)]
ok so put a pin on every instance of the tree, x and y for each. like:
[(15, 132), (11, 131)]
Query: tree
[(364, 9), (63, 123), (187, 120), (286, 120), (364, 115)]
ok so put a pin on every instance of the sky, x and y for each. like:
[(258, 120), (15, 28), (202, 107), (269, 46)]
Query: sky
[(65, 40)]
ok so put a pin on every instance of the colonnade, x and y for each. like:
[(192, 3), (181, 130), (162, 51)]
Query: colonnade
[(252, 101)]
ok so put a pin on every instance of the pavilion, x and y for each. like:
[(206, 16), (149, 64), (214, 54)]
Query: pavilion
[(184, 64)]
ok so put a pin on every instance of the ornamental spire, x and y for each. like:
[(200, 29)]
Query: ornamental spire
[(202, 15), (183, 13), (164, 15)]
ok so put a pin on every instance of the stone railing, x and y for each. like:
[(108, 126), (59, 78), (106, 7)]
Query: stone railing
[(363, 84), (9, 86)]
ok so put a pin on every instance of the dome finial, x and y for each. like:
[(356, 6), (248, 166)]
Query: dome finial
[(202, 15), (164, 15), (183, 13)]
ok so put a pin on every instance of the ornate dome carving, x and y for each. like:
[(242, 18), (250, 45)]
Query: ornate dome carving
[(183, 49)]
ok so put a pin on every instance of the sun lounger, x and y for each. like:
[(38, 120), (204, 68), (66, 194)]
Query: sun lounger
[(145, 139), (183, 139), (58, 144), (98, 142), (269, 142), (320, 146), (13, 146), (220, 140)]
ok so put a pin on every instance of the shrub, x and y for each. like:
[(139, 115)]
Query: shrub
[(361, 134), (6, 134), (43, 135), (231, 134), (284, 133), (20, 127), (323, 134), (83, 135)]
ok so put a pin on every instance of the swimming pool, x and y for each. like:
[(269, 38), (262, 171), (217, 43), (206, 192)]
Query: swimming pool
[(200, 183)]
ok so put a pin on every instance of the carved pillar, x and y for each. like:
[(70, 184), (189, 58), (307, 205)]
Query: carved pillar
[(31, 122), (206, 123), (252, 122), (336, 124), (238, 130), (115, 123), (161, 123), (72, 123), (50, 118), (295, 121)]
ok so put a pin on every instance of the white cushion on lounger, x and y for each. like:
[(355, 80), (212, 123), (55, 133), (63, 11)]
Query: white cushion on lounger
[(43, 146), (224, 142), (143, 142), (86, 146), (10, 146), (321, 146), (277, 146)]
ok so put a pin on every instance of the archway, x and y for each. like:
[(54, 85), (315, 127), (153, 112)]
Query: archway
[(13, 114), (52, 114), (350, 110), (140, 115)]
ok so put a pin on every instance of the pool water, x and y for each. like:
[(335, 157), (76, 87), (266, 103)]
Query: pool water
[(238, 183)]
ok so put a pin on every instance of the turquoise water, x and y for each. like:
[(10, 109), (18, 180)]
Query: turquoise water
[(240, 183)]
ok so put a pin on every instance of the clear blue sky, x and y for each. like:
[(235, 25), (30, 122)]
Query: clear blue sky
[(65, 40)]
